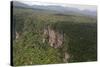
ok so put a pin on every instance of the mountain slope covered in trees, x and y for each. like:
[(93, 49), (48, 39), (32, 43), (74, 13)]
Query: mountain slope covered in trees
[(80, 37)]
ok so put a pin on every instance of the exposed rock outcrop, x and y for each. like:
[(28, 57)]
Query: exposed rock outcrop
[(66, 57), (17, 35), (54, 38)]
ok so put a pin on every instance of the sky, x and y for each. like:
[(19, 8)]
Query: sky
[(60, 3)]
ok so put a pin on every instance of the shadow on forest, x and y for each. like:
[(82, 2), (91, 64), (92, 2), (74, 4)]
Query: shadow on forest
[(83, 40)]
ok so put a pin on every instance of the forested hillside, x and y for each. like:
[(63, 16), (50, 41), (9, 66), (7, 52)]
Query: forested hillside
[(78, 44)]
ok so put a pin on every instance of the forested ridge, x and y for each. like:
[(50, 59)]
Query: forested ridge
[(79, 37)]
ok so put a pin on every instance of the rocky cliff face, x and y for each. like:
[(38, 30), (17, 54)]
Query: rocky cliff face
[(17, 35), (54, 38)]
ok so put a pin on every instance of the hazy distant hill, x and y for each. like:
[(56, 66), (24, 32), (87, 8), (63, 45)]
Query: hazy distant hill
[(57, 8), (19, 4)]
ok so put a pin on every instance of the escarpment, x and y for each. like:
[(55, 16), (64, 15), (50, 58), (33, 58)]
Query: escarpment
[(54, 38)]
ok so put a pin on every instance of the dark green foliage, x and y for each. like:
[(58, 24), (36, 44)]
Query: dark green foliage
[(80, 37)]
